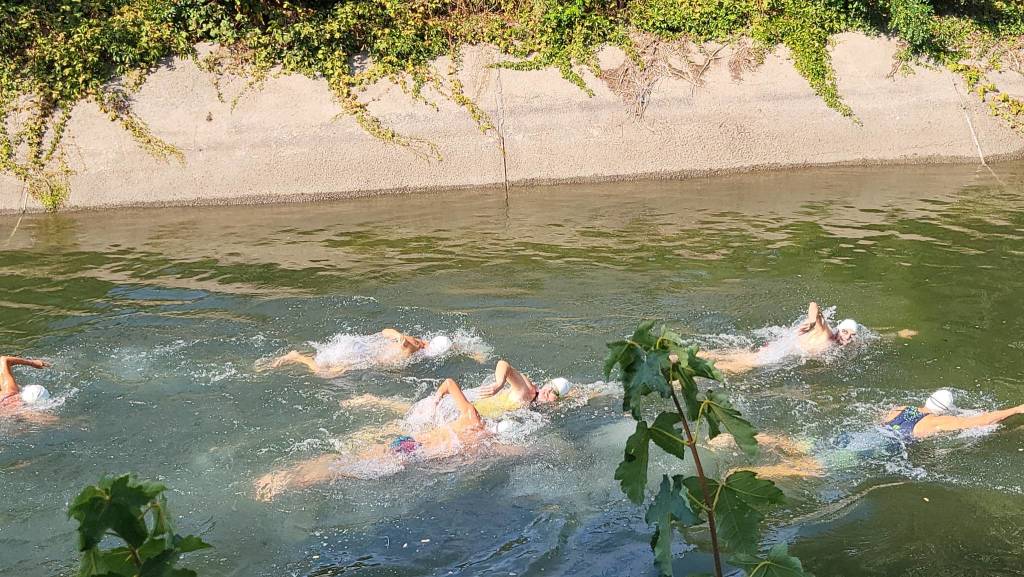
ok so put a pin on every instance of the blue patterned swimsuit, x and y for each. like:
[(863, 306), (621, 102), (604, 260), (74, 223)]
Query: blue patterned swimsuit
[(903, 423), (405, 445)]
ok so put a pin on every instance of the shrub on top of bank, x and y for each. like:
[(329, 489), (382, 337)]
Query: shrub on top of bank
[(56, 54)]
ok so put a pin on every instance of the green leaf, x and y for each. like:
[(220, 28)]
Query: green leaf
[(632, 471), (616, 354), (163, 566), (737, 506), (666, 436), (779, 563), (190, 543), (113, 504), (642, 335), (689, 390), (669, 507), (701, 367), (96, 562), (161, 523), (152, 547), (650, 376), (718, 411)]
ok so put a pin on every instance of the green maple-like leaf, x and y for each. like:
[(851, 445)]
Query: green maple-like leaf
[(617, 352), (190, 543), (632, 471), (779, 563), (669, 507), (718, 412), (650, 376), (701, 367), (665, 434), (737, 506), (643, 337)]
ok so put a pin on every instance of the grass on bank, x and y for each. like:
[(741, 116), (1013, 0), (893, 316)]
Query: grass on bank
[(56, 54)]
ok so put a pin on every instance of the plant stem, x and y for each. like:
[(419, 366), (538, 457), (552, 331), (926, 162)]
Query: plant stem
[(703, 483)]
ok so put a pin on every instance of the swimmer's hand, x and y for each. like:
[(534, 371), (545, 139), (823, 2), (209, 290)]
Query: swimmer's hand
[(906, 333), (490, 390)]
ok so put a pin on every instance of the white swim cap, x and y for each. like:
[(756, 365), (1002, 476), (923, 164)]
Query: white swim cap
[(849, 325), (438, 346), (32, 394), (941, 402), (560, 386), (504, 426)]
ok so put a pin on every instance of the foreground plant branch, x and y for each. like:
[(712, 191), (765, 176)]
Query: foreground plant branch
[(135, 513), (656, 361)]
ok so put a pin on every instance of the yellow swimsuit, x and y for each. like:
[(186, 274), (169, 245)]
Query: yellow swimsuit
[(498, 405)]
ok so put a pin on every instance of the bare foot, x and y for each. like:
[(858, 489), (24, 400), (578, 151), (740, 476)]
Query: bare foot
[(361, 401), (271, 485), (906, 333), (291, 357)]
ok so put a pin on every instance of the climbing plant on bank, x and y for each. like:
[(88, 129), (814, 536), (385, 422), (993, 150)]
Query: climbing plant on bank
[(57, 54), (656, 363)]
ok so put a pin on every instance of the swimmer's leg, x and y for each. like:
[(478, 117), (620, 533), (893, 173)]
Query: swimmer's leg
[(802, 469), (295, 358), (731, 361), (368, 400), (315, 471), (8, 385)]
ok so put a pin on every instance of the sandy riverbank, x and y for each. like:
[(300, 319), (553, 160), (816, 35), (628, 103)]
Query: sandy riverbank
[(286, 140)]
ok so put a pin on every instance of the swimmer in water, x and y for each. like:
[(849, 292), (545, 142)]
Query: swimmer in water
[(900, 427), (814, 337), (467, 433), (493, 399), (14, 398), (393, 348), (935, 418)]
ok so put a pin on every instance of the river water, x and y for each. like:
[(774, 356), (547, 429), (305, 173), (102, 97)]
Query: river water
[(156, 320)]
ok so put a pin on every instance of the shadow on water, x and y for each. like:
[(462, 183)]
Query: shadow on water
[(155, 320)]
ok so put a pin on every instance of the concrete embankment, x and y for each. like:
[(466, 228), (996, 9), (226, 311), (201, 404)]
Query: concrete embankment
[(286, 141)]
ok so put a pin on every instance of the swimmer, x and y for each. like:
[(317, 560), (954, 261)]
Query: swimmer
[(393, 348), (14, 398), (900, 427), (814, 337), (466, 433), (493, 399), (935, 417), (11, 395)]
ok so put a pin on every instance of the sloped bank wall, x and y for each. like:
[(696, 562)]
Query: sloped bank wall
[(286, 141)]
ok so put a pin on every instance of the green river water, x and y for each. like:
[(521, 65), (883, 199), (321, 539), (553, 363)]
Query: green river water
[(155, 321)]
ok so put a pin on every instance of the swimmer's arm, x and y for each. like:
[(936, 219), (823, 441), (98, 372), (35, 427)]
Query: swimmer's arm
[(934, 424), (450, 387), (813, 313), (815, 319)]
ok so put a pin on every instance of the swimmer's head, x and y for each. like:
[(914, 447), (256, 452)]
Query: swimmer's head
[(846, 332), (941, 402), (34, 394), (437, 346), (554, 390)]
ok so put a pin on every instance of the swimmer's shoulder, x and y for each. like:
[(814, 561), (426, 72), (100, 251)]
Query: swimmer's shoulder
[(893, 413)]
